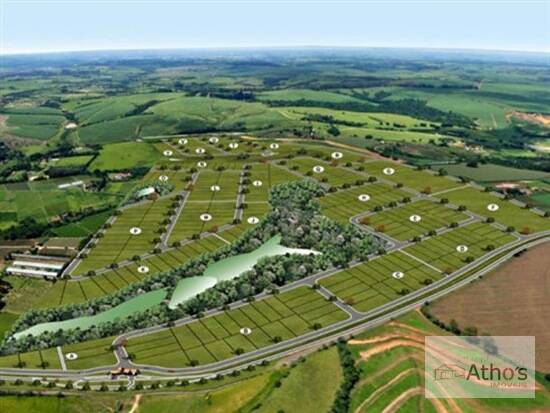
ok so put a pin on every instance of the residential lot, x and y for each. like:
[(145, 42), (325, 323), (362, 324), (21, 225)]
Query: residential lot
[(369, 285), (219, 337)]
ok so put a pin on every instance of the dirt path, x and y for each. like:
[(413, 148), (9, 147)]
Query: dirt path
[(402, 398), (367, 354), (374, 395), (135, 404), (387, 368)]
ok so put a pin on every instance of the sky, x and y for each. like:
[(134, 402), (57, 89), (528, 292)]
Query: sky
[(44, 25)]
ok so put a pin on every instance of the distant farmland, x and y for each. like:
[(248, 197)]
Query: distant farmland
[(513, 300), (494, 173)]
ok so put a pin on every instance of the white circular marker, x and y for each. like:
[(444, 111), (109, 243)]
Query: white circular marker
[(318, 169), (274, 146), (71, 356), (215, 188), (337, 155), (206, 217), (462, 248), (415, 218), (163, 178), (233, 145), (257, 183), (200, 151), (388, 171), (201, 164), (363, 197), (143, 269), (168, 153), (182, 141), (135, 231), (245, 331), (214, 139), (253, 220), (493, 207), (398, 275)]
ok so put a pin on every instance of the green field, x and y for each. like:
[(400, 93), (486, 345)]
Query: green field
[(84, 227), (123, 156), (314, 382), (305, 94), (495, 173), (44, 201), (71, 161)]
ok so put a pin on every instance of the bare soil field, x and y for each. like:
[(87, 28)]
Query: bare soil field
[(539, 118), (513, 300)]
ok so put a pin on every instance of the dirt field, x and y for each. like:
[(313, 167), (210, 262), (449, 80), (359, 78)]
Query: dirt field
[(539, 118), (514, 300)]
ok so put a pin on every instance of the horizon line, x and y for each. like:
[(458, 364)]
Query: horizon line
[(269, 47)]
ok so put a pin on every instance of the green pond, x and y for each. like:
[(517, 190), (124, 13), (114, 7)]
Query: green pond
[(139, 303), (229, 268), (187, 288)]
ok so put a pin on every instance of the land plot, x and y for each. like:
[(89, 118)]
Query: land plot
[(179, 179), (507, 213), (215, 186), (410, 178), (66, 292), (40, 359), (446, 251), (417, 218), (90, 354), (343, 205), (132, 233), (262, 177), (379, 281), (219, 337), (211, 204), (325, 172)]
